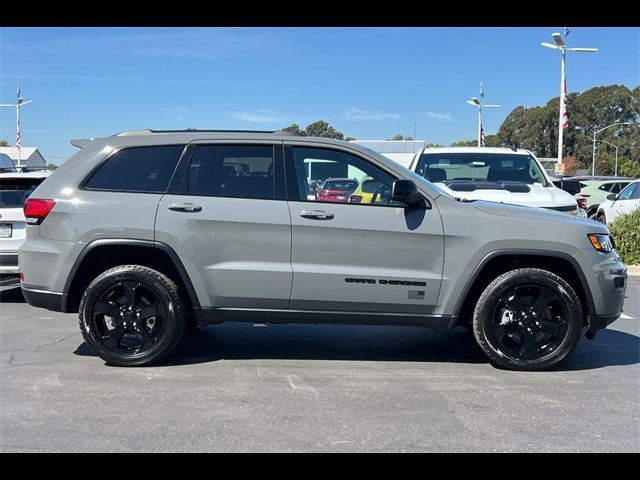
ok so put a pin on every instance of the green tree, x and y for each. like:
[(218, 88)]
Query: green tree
[(465, 143), (399, 136), (433, 145), (536, 128), (4, 143), (52, 166), (628, 167), (323, 129), (295, 129), (349, 139)]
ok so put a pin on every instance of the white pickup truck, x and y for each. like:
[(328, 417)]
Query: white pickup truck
[(504, 175)]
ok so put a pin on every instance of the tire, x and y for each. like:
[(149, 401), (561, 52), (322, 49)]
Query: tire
[(110, 323), (527, 319), (602, 219)]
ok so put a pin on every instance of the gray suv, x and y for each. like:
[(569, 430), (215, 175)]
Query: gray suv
[(147, 233)]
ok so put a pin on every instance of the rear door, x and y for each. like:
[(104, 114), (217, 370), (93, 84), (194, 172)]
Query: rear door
[(365, 255), (226, 216)]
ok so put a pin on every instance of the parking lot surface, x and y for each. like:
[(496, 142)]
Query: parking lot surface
[(245, 387)]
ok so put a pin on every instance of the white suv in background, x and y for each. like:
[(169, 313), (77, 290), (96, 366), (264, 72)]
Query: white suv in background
[(624, 202), (504, 175), (15, 187)]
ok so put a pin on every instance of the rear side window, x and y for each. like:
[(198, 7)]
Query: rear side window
[(236, 171), (140, 169), (607, 187)]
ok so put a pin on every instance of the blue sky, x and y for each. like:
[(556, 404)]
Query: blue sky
[(369, 83)]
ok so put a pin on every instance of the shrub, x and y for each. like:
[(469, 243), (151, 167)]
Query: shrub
[(626, 233)]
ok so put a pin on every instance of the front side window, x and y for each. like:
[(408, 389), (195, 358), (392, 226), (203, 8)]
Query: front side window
[(237, 171), (332, 176), (139, 169), (479, 167), (627, 193)]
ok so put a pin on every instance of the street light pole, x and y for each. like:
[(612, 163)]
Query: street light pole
[(593, 158), (562, 46), (479, 105), (19, 103), (615, 173)]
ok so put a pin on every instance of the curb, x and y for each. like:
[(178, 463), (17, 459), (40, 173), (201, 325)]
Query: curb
[(633, 270)]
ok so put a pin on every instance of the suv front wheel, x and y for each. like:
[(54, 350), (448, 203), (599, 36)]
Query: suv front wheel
[(527, 319), (132, 316)]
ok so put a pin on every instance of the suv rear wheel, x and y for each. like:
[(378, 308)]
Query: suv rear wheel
[(527, 319), (132, 316)]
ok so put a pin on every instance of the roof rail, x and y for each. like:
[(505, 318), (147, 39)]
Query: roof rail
[(194, 130)]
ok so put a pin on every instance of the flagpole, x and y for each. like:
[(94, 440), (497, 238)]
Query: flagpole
[(479, 125), (562, 110), (18, 131)]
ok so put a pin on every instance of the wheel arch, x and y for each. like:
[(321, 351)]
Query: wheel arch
[(102, 254), (501, 261)]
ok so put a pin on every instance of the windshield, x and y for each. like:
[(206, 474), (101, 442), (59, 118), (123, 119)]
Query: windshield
[(480, 167), (340, 185), (14, 191)]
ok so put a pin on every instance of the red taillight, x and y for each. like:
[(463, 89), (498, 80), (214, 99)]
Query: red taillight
[(21, 277), (355, 198), (582, 203), (37, 209)]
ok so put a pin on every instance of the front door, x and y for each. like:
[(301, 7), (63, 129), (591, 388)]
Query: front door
[(228, 221), (355, 251)]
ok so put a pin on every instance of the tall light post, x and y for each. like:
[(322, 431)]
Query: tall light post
[(479, 105), (615, 173), (19, 103), (593, 158), (562, 117)]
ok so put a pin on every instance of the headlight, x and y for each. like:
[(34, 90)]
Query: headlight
[(601, 242)]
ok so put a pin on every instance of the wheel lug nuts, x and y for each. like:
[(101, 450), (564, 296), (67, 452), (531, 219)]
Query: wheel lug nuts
[(528, 329), (130, 308), (538, 323), (520, 323)]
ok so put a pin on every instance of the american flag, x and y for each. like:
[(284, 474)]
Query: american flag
[(18, 122), (481, 89), (565, 116), (481, 135)]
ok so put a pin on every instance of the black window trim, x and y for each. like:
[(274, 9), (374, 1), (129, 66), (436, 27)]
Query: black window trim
[(293, 192), (179, 185), (87, 178)]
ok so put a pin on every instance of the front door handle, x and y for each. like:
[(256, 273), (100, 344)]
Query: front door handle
[(185, 207), (316, 215)]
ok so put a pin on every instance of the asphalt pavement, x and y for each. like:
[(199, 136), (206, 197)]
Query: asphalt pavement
[(246, 387)]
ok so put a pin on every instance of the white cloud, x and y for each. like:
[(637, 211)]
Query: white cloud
[(354, 113), (439, 115), (262, 116)]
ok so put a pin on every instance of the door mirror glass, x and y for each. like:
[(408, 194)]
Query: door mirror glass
[(405, 191), (611, 196)]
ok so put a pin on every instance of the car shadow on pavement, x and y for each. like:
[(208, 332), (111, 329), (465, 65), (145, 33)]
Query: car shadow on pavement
[(241, 341), (12, 295)]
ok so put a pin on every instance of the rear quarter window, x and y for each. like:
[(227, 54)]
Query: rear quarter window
[(137, 169)]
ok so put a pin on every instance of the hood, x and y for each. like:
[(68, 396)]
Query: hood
[(531, 195), (538, 214)]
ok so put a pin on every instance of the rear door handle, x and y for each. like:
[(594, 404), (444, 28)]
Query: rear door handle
[(185, 207), (316, 215)]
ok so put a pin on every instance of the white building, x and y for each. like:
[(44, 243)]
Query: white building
[(401, 151), (30, 157)]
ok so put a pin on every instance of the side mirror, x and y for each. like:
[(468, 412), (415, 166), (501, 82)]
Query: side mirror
[(405, 191), (570, 186), (612, 197)]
